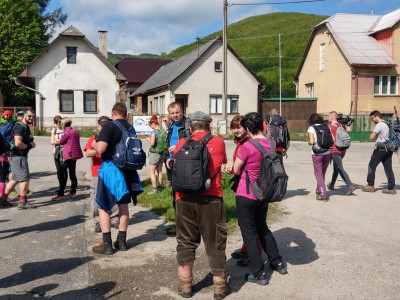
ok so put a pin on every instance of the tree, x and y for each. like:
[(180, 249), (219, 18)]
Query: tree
[(25, 30)]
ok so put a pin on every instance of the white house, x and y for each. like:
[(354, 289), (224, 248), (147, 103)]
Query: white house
[(72, 78), (196, 81)]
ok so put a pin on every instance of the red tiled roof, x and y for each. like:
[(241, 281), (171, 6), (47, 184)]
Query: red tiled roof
[(139, 70)]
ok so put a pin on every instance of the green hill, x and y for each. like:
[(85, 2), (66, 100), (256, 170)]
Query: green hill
[(256, 41)]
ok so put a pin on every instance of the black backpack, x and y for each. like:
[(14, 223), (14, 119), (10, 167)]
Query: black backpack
[(323, 141), (191, 171), (271, 184), (277, 130)]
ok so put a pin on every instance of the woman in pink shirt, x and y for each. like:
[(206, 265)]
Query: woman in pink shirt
[(252, 213), (71, 153)]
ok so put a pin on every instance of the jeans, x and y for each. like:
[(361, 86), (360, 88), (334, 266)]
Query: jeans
[(62, 176), (252, 219), (201, 217), (321, 163), (384, 157), (339, 170)]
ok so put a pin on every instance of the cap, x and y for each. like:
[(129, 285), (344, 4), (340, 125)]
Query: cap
[(21, 112), (200, 116), (7, 114)]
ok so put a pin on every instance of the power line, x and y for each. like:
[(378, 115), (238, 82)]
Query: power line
[(277, 3)]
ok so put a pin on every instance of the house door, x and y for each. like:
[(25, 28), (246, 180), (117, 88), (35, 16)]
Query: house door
[(183, 100)]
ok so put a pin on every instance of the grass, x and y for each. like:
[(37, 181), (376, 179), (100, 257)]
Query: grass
[(83, 133), (161, 204)]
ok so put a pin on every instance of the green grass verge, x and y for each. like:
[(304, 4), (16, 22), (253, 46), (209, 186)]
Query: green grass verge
[(161, 203)]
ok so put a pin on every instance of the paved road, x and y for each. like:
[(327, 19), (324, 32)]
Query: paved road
[(343, 249)]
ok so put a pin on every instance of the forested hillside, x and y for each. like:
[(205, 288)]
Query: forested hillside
[(256, 40)]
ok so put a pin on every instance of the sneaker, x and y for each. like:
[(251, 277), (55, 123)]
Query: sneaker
[(239, 255), (350, 190), (280, 268), (321, 197), (221, 288), (103, 248), (330, 187), (120, 245), (70, 195), (261, 280), (153, 191), (97, 228), (368, 188), (25, 205), (58, 197), (4, 203), (390, 192)]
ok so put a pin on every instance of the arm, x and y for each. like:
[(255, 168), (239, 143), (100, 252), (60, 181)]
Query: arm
[(373, 136), (90, 152), (54, 140), (151, 139), (237, 166), (100, 146), (311, 140)]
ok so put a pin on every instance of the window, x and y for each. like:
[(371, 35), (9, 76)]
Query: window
[(310, 90), (66, 101), (71, 55), (161, 105), (90, 102), (385, 85), (231, 104), (218, 66), (322, 57), (155, 105)]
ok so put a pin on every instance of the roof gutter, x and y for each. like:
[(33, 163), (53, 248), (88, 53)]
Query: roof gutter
[(28, 88)]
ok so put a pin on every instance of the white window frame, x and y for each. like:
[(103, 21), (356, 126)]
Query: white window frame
[(161, 104), (229, 105), (383, 85), (155, 105), (322, 57), (216, 104), (310, 89)]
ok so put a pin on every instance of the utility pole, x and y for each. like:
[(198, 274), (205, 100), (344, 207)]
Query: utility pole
[(280, 76), (224, 68)]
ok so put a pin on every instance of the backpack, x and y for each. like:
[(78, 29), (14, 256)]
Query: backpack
[(129, 154), (393, 144), (191, 170), (161, 145), (342, 138), (6, 133), (324, 140), (271, 184), (277, 130)]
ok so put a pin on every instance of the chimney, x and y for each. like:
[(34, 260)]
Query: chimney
[(103, 42)]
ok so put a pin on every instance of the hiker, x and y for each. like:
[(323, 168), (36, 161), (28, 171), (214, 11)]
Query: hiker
[(95, 157), (321, 158), (156, 154), (178, 128), (23, 143), (167, 122), (252, 214), (381, 136), (7, 123), (62, 171), (275, 127), (71, 153), (337, 157), (202, 216), (105, 144)]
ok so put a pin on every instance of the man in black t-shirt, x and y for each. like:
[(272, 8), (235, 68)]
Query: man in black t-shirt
[(23, 142), (105, 144)]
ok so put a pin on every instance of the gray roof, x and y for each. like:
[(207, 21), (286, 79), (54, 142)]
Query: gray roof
[(352, 34), (169, 72), (386, 21), (72, 31)]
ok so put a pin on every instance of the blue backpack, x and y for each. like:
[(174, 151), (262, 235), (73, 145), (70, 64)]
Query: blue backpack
[(6, 132), (129, 154)]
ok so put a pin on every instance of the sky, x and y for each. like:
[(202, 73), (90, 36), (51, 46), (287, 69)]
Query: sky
[(156, 26)]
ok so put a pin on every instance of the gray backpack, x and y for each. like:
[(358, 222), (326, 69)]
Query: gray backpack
[(342, 138)]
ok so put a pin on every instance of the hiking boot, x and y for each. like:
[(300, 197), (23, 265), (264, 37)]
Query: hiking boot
[(185, 287), (280, 268), (103, 248), (25, 205), (261, 280), (390, 192), (4, 203), (330, 187), (239, 255), (221, 288), (120, 245), (153, 191), (350, 190), (321, 197), (368, 188)]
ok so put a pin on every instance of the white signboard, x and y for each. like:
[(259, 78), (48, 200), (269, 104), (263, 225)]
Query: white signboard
[(141, 124)]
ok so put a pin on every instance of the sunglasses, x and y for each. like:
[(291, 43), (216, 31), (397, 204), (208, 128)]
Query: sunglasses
[(30, 116)]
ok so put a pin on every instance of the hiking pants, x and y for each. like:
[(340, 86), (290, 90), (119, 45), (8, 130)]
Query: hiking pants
[(62, 176), (321, 163), (384, 157), (339, 170), (252, 219)]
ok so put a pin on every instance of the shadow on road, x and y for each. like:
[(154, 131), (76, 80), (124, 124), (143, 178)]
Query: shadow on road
[(42, 269), (297, 192), (45, 226)]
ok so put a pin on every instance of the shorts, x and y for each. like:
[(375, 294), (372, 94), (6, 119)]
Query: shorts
[(19, 168), (155, 158)]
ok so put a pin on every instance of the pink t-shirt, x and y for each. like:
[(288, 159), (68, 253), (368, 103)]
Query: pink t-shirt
[(252, 159)]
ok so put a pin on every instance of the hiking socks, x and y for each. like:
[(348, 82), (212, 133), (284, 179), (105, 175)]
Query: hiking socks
[(4, 196), (22, 198), (107, 238)]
